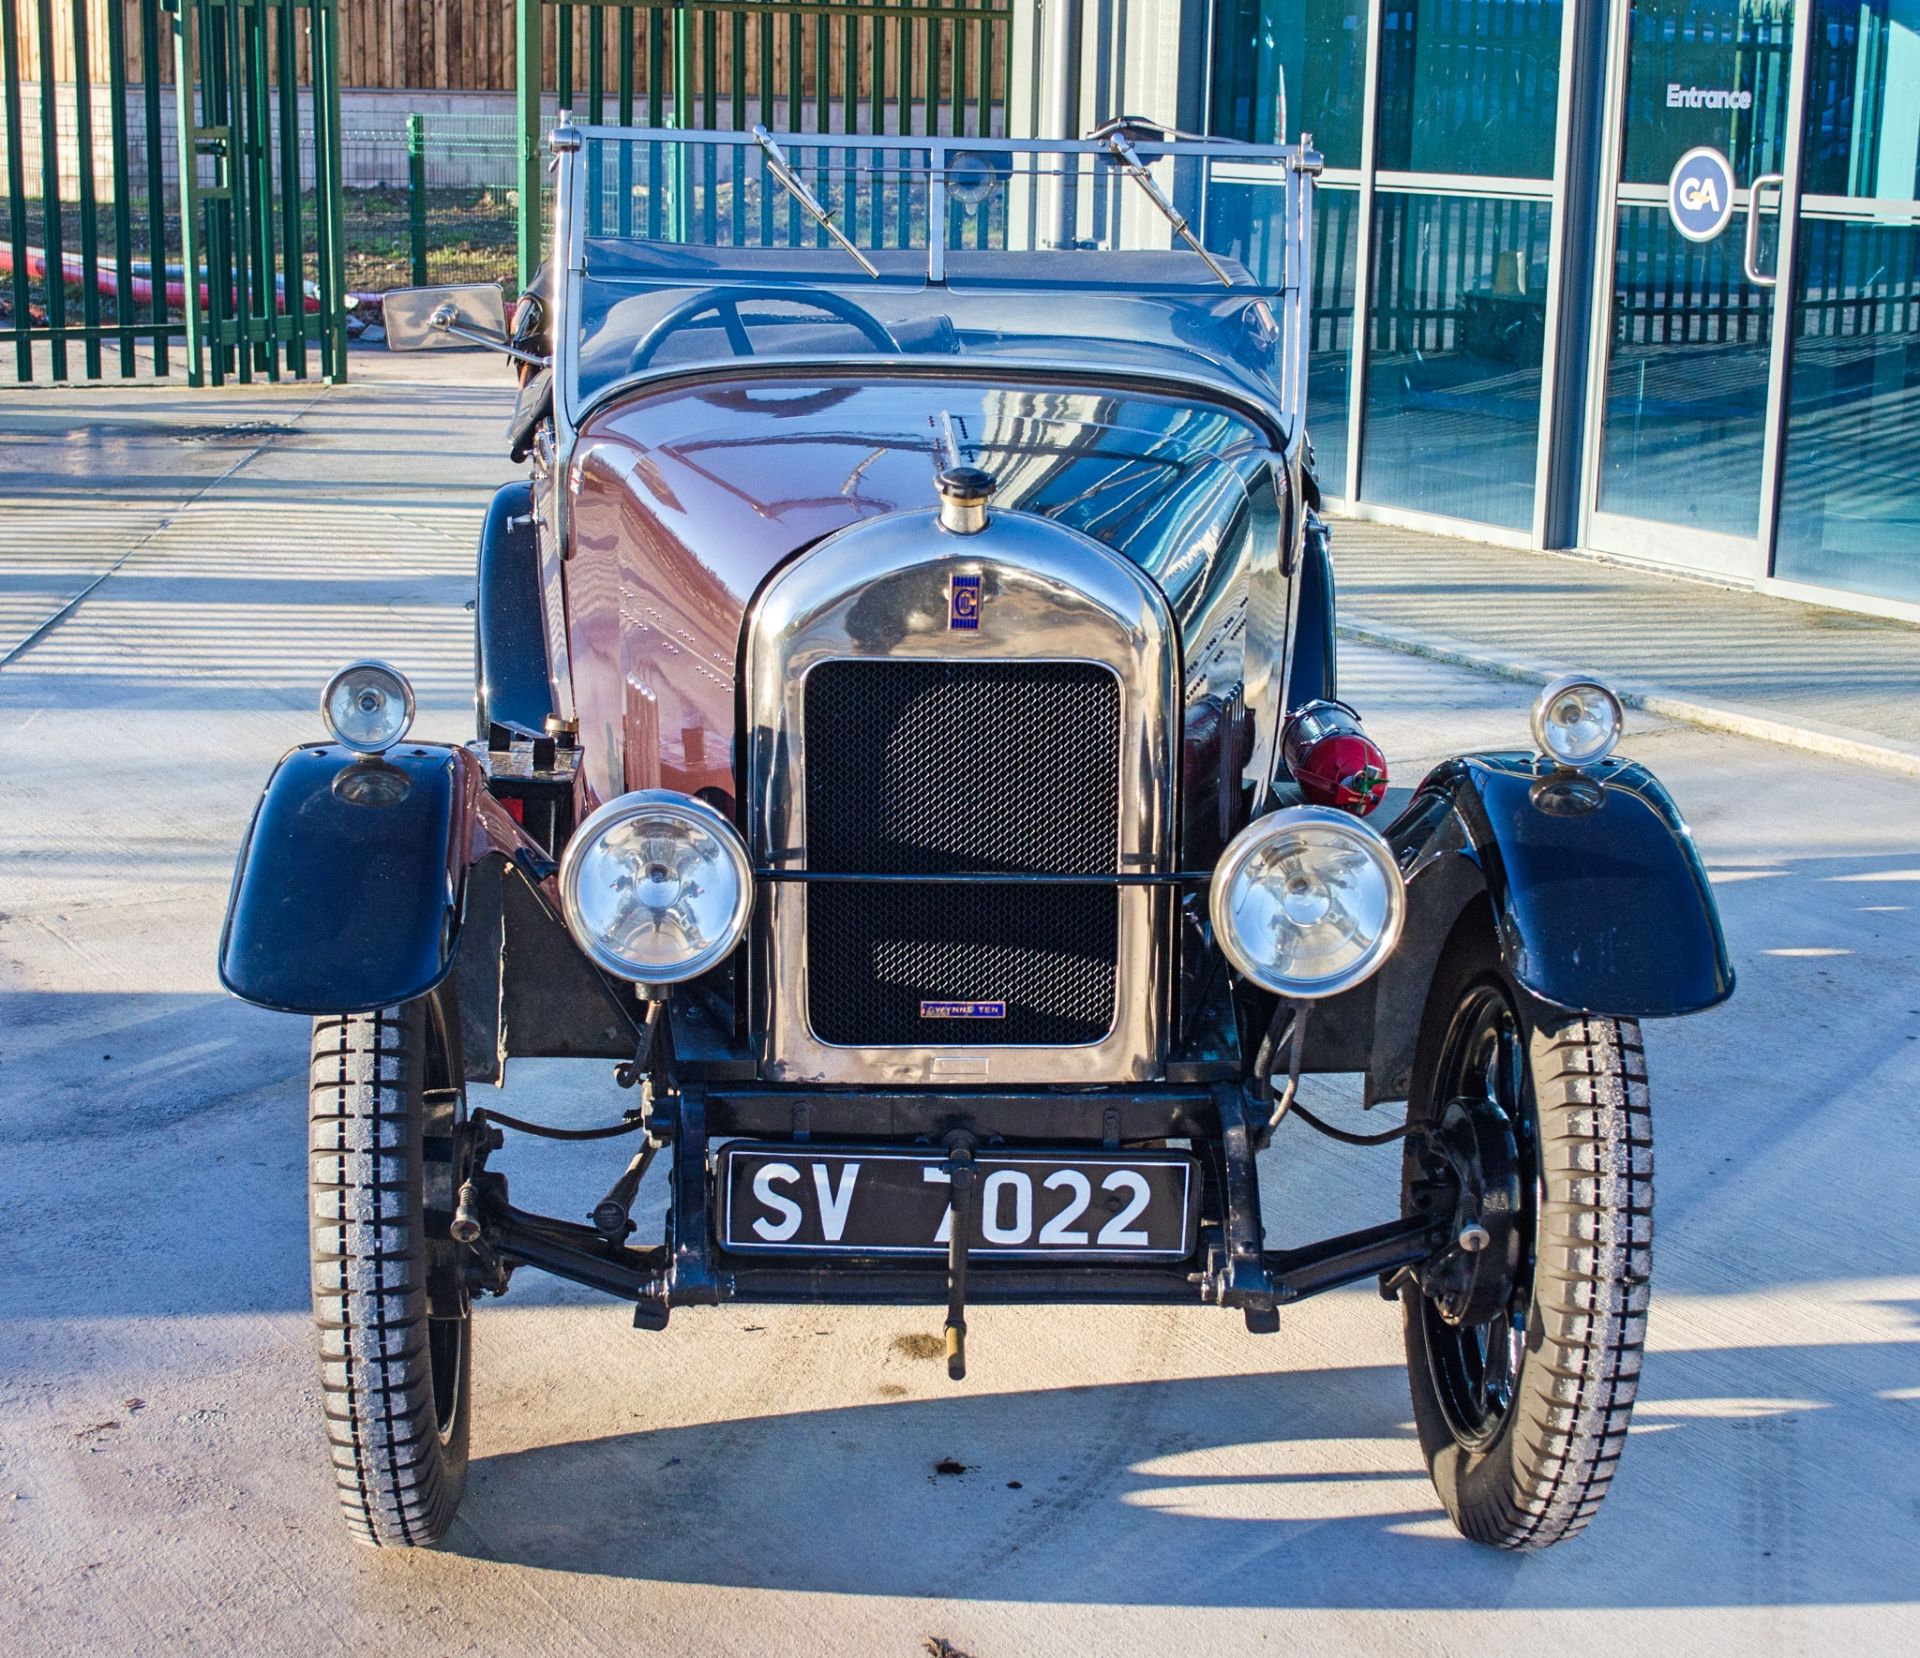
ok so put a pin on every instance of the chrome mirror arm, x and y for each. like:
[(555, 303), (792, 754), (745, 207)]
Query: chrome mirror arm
[(446, 319)]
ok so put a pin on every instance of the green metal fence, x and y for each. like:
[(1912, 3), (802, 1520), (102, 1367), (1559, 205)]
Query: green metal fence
[(260, 192), (430, 197), (204, 228), (872, 66), (59, 294), (211, 232)]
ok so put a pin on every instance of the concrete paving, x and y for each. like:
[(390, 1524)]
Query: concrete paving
[(758, 1480), (1835, 681)]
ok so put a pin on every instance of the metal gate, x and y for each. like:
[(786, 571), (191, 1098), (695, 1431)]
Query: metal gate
[(872, 66), (204, 226)]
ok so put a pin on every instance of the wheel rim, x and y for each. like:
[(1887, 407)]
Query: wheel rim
[(1475, 1367)]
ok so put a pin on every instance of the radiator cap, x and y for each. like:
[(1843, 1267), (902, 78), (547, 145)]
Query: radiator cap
[(964, 493)]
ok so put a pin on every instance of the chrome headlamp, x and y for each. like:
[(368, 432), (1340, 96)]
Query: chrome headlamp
[(1307, 901), (1576, 721), (368, 706), (656, 886)]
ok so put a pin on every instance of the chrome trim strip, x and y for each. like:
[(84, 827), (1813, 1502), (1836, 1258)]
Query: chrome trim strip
[(1212, 145), (1494, 187), (877, 590), (557, 464)]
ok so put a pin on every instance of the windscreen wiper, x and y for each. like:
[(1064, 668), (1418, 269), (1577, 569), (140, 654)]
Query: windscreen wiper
[(795, 186), (1129, 159)]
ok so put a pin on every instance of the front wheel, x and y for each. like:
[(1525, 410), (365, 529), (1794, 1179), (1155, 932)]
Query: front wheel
[(390, 1305), (1523, 1354)]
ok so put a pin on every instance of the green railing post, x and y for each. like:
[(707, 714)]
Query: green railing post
[(50, 210), (214, 134), (156, 180), (529, 72), (185, 74), (682, 119), (275, 291), (417, 195), (89, 202), (122, 207), (16, 194), (331, 240), (292, 237)]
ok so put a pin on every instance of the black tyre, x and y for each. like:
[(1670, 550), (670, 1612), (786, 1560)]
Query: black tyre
[(389, 1302), (1524, 1356)]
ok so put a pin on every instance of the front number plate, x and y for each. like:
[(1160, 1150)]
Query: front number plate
[(796, 1200)]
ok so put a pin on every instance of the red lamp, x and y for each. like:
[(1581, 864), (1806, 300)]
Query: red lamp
[(1333, 759)]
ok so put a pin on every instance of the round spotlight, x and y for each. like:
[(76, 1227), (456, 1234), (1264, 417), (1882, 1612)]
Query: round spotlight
[(1307, 901), (368, 706), (656, 887), (972, 178), (1576, 721)]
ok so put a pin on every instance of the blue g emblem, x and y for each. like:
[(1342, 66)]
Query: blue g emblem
[(1700, 194), (963, 602)]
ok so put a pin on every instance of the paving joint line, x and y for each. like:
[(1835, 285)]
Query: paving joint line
[(167, 518), (1837, 742)]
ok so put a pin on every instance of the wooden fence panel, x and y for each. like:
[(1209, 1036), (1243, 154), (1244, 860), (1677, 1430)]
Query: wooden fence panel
[(467, 45)]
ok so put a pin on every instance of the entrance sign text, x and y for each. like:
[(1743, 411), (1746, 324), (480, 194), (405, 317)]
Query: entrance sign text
[(1706, 97)]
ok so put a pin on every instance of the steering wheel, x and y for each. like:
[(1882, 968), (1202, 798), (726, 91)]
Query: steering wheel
[(725, 303)]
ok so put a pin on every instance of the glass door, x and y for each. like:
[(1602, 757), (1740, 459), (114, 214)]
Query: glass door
[(1849, 498), (1689, 368)]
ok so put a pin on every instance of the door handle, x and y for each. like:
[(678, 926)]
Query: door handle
[(1749, 254)]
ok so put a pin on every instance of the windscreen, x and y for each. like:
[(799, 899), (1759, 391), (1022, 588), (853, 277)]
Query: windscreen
[(729, 246)]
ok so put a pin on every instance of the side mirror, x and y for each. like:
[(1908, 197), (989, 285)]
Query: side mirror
[(428, 319)]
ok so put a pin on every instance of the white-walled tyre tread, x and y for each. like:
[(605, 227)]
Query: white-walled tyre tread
[(392, 1471), (1544, 1474), (1591, 1278)]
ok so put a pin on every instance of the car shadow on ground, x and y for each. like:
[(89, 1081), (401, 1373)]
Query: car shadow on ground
[(1301, 1488)]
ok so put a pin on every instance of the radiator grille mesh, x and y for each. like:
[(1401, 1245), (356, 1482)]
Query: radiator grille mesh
[(922, 768)]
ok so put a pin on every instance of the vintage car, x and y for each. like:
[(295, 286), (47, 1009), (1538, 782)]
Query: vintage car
[(908, 745)]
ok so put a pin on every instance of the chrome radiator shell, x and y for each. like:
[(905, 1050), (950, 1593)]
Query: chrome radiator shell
[(882, 590)]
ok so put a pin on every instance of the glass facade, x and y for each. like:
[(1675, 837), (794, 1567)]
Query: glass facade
[(1315, 51), (1684, 429), (1336, 252), (1474, 147), (1739, 48), (1850, 472), (1469, 86), (1464, 106), (1454, 355), (1683, 432), (1850, 483)]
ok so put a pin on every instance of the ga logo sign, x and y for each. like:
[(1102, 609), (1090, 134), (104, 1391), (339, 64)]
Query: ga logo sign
[(1700, 194)]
